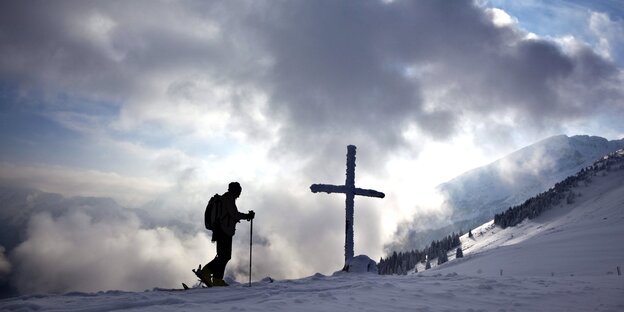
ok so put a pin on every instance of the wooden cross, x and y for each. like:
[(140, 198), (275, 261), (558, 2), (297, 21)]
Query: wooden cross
[(350, 190)]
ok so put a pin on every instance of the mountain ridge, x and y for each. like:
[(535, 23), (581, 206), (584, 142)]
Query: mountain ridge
[(476, 195), (579, 219), (522, 174)]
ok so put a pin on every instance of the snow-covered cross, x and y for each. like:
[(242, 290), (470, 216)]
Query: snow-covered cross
[(350, 190)]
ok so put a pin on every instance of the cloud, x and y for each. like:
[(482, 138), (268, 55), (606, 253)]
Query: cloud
[(348, 72), (305, 230), (74, 252), (130, 190), (93, 244), (500, 17), (320, 73), (610, 43)]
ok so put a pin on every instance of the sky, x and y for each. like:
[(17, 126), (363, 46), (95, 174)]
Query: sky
[(158, 105)]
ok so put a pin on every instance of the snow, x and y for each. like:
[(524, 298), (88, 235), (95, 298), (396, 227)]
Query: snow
[(362, 264), (564, 260), (358, 292), (487, 190), (583, 238)]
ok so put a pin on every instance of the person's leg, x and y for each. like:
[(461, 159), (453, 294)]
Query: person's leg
[(213, 265), (224, 254)]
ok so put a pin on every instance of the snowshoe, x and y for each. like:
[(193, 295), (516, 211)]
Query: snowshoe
[(203, 275), (217, 282)]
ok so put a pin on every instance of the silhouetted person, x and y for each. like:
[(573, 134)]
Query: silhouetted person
[(212, 273)]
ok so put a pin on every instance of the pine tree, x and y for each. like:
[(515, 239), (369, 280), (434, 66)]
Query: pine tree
[(428, 265), (459, 253), (442, 257)]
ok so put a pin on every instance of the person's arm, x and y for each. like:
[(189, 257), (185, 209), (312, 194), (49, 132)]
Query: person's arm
[(245, 216)]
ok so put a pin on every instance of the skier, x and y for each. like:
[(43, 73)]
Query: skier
[(212, 273)]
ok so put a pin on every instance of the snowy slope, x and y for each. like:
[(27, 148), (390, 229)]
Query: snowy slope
[(358, 292), (583, 238), (475, 196), (484, 191)]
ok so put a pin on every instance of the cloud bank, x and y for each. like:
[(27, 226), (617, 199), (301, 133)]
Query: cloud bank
[(92, 244), (72, 252), (309, 73)]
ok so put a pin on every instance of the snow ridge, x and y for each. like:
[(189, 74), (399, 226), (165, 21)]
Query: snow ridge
[(563, 195), (482, 192)]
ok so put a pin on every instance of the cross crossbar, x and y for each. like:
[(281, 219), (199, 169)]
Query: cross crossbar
[(328, 188)]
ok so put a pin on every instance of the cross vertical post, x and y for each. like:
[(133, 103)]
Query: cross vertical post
[(350, 191), (349, 202)]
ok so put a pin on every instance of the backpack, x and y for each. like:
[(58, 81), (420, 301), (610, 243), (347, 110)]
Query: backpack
[(213, 213)]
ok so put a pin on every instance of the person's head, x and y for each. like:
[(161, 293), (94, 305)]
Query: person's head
[(235, 189)]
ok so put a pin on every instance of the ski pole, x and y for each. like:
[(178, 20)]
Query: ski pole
[(250, 241)]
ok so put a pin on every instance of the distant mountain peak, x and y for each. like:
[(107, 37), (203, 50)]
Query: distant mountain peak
[(476, 195), (523, 173)]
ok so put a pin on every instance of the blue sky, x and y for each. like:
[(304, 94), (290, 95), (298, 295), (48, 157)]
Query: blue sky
[(561, 18), (159, 105)]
